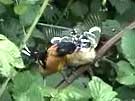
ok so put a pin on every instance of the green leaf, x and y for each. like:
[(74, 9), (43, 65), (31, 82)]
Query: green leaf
[(126, 93), (28, 87), (53, 79), (81, 82), (127, 16), (72, 94), (79, 9), (24, 6), (10, 57), (28, 1), (20, 9), (28, 17), (100, 91), (49, 92), (128, 45), (5, 96), (125, 73), (33, 94), (121, 5), (95, 5), (6, 2), (75, 92), (51, 14), (110, 27), (13, 29), (2, 8)]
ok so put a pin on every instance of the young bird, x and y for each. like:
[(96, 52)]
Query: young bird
[(52, 60), (69, 50)]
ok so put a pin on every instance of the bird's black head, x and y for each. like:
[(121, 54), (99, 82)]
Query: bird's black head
[(65, 48)]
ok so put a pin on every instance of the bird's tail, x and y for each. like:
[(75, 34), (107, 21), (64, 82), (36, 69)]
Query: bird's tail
[(30, 52), (38, 57)]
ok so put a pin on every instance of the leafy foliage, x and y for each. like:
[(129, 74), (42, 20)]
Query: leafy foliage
[(72, 94), (121, 5), (79, 9), (125, 73), (11, 57), (126, 93), (113, 80), (100, 91), (14, 29), (32, 85), (51, 14), (111, 26), (7, 2), (129, 40)]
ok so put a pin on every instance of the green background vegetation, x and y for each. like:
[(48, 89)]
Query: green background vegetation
[(34, 22)]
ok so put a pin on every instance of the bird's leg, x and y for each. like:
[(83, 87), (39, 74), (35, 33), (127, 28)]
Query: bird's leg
[(67, 71), (65, 77), (90, 71)]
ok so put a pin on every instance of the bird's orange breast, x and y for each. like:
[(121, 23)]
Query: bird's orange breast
[(53, 62)]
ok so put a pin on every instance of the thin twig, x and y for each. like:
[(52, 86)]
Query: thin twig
[(4, 86), (54, 26), (44, 5), (100, 53)]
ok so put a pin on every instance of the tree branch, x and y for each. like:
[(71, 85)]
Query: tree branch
[(99, 55), (112, 41), (64, 83)]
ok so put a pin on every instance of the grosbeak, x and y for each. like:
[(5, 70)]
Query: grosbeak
[(68, 50)]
